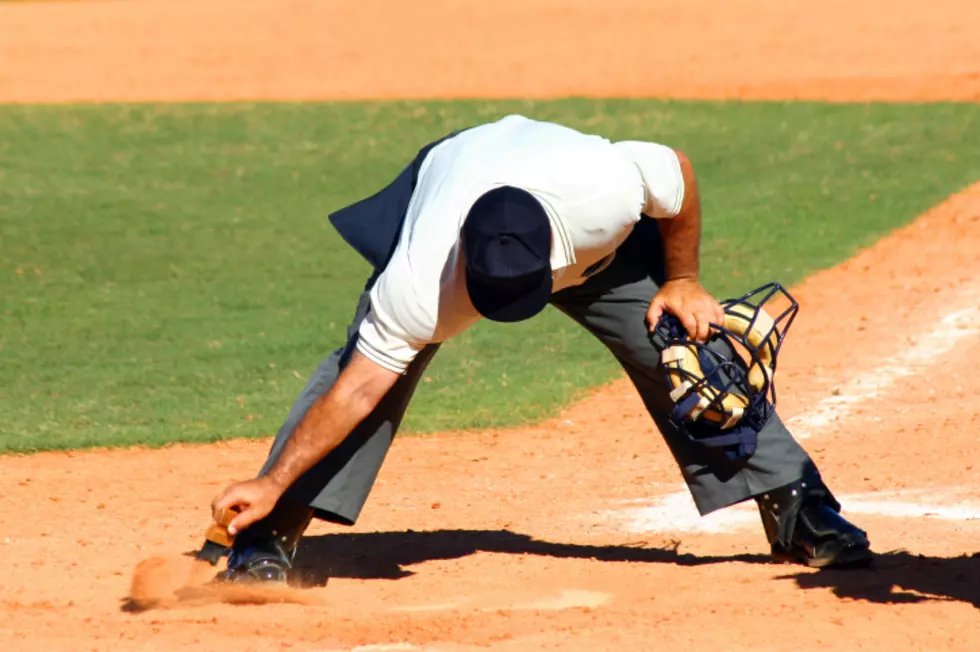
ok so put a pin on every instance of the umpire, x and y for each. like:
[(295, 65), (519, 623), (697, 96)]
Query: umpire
[(497, 222)]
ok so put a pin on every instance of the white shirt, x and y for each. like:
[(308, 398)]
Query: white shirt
[(594, 192)]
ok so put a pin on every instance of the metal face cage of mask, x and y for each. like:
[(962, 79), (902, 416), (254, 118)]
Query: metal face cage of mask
[(723, 389)]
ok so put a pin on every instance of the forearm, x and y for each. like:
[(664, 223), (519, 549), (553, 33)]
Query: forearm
[(681, 234), (681, 246), (682, 295), (329, 421)]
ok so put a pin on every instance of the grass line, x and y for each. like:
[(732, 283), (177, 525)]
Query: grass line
[(167, 272)]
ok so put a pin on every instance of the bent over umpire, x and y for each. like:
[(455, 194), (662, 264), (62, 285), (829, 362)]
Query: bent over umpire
[(497, 222)]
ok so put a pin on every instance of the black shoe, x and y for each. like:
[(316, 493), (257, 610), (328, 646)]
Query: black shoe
[(264, 551), (803, 524), (260, 562), (824, 539)]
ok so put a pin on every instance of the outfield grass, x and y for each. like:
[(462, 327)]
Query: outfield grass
[(169, 274)]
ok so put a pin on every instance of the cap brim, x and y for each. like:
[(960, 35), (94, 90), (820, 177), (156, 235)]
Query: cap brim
[(495, 306)]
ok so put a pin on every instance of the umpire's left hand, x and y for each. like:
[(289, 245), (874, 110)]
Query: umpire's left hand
[(689, 302)]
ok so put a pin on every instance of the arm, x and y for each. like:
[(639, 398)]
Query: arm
[(358, 390), (682, 234), (682, 294)]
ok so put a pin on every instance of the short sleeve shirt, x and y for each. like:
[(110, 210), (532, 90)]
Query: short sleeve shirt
[(594, 192)]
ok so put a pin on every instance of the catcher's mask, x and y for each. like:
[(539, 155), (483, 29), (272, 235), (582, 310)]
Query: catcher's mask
[(723, 390)]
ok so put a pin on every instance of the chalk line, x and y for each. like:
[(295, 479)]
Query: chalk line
[(953, 328), (676, 512)]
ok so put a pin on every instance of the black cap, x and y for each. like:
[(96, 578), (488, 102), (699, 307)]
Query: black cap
[(507, 245)]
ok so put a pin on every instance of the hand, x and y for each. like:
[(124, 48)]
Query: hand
[(689, 302), (253, 499)]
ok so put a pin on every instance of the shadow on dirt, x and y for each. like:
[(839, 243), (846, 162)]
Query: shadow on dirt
[(383, 555), (902, 577), (896, 578)]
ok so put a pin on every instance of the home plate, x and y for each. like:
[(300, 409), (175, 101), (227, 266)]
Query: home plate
[(676, 512)]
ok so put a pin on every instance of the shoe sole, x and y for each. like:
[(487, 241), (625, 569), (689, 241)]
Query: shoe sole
[(246, 577), (851, 557), (857, 557)]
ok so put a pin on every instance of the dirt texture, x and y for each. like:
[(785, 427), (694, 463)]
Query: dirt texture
[(905, 50), (575, 534)]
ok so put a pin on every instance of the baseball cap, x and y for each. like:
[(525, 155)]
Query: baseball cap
[(506, 240)]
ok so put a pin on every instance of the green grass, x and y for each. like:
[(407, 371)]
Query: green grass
[(167, 272)]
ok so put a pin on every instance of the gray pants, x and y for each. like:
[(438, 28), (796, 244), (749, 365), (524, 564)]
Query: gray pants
[(612, 306)]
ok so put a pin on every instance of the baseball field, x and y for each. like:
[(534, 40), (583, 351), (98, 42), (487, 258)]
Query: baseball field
[(168, 281)]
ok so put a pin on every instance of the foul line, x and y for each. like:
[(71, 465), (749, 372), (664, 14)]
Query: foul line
[(951, 330), (675, 512)]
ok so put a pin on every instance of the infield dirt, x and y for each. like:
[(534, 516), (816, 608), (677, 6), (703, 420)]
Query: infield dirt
[(566, 535)]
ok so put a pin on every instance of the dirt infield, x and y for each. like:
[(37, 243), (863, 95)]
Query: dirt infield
[(576, 534), (301, 49)]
